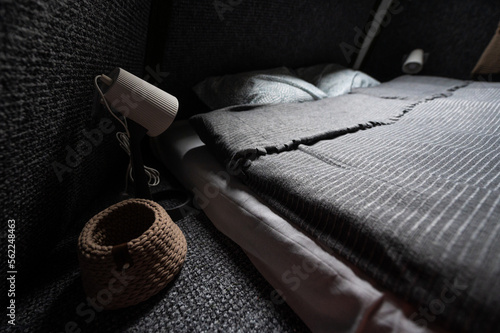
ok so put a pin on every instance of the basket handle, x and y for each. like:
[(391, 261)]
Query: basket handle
[(121, 256)]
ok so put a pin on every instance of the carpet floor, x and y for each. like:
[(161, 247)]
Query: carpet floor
[(217, 290)]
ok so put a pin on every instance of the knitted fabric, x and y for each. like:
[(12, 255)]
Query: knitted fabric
[(143, 232)]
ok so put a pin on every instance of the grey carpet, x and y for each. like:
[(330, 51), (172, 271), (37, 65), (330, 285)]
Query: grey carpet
[(218, 289)]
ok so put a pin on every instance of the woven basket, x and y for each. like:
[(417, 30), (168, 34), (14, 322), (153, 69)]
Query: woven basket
[(129, 252)]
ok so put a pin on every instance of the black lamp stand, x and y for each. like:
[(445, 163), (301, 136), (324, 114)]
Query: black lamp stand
[(137, 133)]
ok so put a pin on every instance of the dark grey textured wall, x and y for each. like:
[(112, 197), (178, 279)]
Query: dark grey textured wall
[(219, 37), (50, 53), (455, 33)]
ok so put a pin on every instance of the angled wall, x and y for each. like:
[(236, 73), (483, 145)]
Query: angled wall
[(51, 167)]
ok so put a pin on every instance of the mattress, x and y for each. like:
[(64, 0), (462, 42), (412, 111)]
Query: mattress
[(401, 179), (329, 294)]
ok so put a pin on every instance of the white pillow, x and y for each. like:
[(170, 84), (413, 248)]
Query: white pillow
[(335, 80), (278, 85)]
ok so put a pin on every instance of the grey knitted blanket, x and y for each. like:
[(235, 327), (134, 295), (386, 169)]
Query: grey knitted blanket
[(403, 180)]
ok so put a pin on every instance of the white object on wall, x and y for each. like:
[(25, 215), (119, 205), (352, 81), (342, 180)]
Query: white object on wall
[(414, 63)]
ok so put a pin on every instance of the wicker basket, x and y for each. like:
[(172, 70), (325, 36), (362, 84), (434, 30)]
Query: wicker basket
[(129, 252)]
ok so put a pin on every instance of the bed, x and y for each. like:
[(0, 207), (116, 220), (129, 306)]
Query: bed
[(373, 210)]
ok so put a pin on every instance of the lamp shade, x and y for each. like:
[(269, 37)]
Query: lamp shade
[(415, 62), (136, 99)]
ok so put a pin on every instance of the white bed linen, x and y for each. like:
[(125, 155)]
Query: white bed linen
[(328, 294)]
